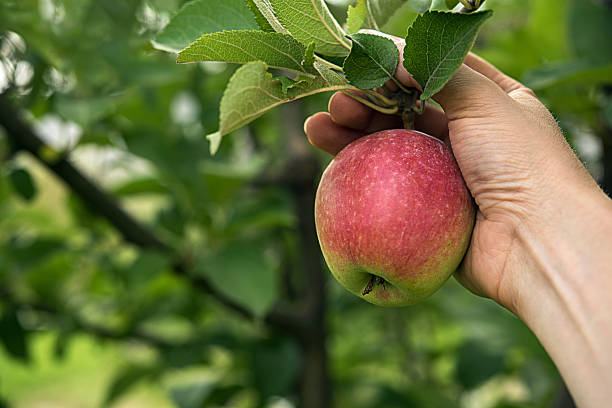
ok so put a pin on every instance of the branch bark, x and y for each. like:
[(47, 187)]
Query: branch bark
[(24, 138), (315, 384)]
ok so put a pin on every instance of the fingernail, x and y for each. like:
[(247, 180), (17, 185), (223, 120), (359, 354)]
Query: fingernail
[(306, 123)]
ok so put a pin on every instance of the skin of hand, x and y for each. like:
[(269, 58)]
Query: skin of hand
[(541, 245)]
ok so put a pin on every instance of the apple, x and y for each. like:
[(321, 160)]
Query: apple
[(394, 216)]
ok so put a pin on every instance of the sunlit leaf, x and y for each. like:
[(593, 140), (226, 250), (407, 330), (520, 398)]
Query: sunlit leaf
[(252, 91), (310, 21), (275, 49), (356, 16), (201, 17)]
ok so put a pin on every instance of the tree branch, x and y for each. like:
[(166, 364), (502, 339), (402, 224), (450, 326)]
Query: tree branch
[(23, 138)]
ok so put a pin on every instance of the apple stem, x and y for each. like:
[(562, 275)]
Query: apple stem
[(373, 281), (386, 111), (407, 106), (469, 5)]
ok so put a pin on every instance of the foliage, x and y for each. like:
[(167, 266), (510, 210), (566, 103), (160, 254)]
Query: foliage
[(457, 33), (86, 76)]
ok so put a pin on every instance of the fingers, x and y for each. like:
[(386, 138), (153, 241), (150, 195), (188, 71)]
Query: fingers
[(323, 133), (506, 83), (346, 111), (471, 93)]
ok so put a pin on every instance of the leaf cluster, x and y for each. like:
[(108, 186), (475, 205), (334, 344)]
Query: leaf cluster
[(313, 53)]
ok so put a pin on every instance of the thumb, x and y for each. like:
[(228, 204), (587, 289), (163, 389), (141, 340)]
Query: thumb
[(470, 94)]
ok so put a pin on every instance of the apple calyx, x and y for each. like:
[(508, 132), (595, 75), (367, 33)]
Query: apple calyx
[(374, 280)]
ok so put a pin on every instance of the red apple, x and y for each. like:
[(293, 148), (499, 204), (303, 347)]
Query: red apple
[(393, 216)]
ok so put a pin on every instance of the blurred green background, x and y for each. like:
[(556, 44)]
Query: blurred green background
[(222, 299)]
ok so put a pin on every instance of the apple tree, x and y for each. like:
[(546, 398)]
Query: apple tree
[(137, 268)]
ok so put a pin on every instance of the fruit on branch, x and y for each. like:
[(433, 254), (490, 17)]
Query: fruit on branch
[(393, 216)]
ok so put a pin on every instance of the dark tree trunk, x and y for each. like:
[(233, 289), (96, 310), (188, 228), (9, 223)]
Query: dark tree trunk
[(315, 390)]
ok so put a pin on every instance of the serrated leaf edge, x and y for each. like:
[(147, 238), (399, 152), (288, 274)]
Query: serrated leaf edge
[(215, 138), (389, 74), (304, 70), (431, 73)]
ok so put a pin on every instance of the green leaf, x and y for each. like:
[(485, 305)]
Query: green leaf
[(309, 57), (310, 21), (262, 22), (13, 336), (244, 273), (356, 16), (380, 11), (270, 358), (84, 111), (576, 72), (443, 4), (419, 6), (275, 49), (267, 11), (192, 395), (127, 378), (252, 91), (288, 83), (372, 61), (590, 30), (202, 17), (436, 44), (23, 183), (477, 364), (145, 185)]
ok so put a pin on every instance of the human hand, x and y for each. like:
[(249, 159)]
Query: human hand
[(541, 243), (508, 147)]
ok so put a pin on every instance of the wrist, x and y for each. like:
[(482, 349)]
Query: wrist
[(563, 287)]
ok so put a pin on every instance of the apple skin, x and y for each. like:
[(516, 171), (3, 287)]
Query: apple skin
[(393, 204)]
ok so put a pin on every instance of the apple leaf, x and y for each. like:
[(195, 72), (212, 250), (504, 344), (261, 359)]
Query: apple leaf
[(195, 18), (573, 72), (380, 11), (419, 6), (244, 273), (275, 49), (310, 21), (288, 83), (267, 11), (309, 57), (436, 44), (262, 21), (356, 16), (372, 61), (590, 30), (23, 183), (450, 4), (252, 91)]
